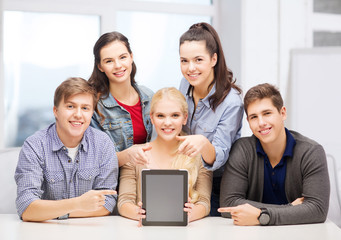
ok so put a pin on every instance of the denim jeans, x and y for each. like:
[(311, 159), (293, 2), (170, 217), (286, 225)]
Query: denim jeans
[(215, 197)]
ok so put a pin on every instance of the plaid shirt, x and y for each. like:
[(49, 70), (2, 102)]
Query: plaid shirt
[(45, 171)]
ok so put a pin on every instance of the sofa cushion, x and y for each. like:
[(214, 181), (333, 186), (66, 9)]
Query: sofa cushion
[(8, 163)]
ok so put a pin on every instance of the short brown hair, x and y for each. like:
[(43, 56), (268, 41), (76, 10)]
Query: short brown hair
[(73, 86), (262, 91)]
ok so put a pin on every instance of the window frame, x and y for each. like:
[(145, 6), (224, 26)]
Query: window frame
[(105, 9)]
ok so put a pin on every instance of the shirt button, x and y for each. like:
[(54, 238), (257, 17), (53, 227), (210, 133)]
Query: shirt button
[(77, 161), (69, 160), (273, 173)]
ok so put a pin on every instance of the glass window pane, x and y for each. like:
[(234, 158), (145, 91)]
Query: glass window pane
[(40, 51), (154, 40), (327, 6), (327, 39), (200, 2)]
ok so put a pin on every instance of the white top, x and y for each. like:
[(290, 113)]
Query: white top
[(116, 227), (72, 152)]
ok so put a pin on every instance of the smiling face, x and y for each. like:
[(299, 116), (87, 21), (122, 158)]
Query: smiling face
[(265, 121), (116, 62), (73, 117), (197, 65), (168, 118)]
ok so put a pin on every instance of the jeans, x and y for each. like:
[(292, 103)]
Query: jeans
[(215, 197)]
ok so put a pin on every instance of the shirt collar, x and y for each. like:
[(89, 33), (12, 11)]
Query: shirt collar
[(205, 100), (110, 101), (57, 143), (289, 148)]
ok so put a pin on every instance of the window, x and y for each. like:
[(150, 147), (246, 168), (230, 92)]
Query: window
[(327, 6), (40, 51), (201, 2), (47, 41), (323, 39), (326, 27), (154, 39)]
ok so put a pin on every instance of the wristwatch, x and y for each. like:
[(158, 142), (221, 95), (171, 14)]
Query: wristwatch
[(66, 216), (264, 217)]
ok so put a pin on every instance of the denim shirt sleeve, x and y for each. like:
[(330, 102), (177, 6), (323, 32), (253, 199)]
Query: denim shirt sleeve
[(221, 127), (227, 131)]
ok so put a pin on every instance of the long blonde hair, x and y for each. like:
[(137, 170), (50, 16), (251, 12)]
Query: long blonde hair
[(181, 161)]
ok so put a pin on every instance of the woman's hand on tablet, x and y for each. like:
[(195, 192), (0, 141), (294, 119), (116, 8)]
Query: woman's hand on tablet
[(194, 211), (141, 213), (189, 209)]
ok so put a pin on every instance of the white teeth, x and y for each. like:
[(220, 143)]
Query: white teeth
[(76, 123), (167, 130), (264, 131)]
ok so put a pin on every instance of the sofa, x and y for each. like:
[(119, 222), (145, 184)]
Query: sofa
[(8, 163)]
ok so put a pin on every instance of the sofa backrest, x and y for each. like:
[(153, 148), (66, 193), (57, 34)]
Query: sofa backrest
[(334, 169), (8, 191)]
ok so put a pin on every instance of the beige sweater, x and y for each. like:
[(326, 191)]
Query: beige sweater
[(130, 178)]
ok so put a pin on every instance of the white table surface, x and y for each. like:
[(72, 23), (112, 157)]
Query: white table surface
[(116, 227)]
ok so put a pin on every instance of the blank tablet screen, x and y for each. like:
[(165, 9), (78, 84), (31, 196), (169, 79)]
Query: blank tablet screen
[(164, 193)]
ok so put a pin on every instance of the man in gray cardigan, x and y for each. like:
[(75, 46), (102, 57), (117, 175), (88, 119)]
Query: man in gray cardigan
[(276, 176)]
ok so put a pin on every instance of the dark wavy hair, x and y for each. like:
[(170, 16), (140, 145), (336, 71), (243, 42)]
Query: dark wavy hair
[(223, 76), (98, 79)]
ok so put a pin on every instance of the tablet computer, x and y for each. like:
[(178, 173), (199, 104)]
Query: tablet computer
[(164, 194)]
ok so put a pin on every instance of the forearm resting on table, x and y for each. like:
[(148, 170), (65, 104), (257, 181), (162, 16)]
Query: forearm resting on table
[(42, 210), (129, 210), (198, 212)]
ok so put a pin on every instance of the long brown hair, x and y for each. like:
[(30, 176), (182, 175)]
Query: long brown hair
[(223, 76), (98, 79)]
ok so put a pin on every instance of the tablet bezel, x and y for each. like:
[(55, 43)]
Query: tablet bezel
[(182, 172)]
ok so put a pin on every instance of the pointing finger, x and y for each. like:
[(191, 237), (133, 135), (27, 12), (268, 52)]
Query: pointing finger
[(225, 209)]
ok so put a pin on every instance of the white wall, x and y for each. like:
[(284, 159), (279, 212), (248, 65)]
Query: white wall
[(258, 36), (2, 104)]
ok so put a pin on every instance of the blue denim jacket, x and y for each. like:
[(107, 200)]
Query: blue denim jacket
[(221, 127), (117, 123)]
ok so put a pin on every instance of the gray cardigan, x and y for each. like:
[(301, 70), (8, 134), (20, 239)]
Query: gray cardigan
[(306, 176)]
